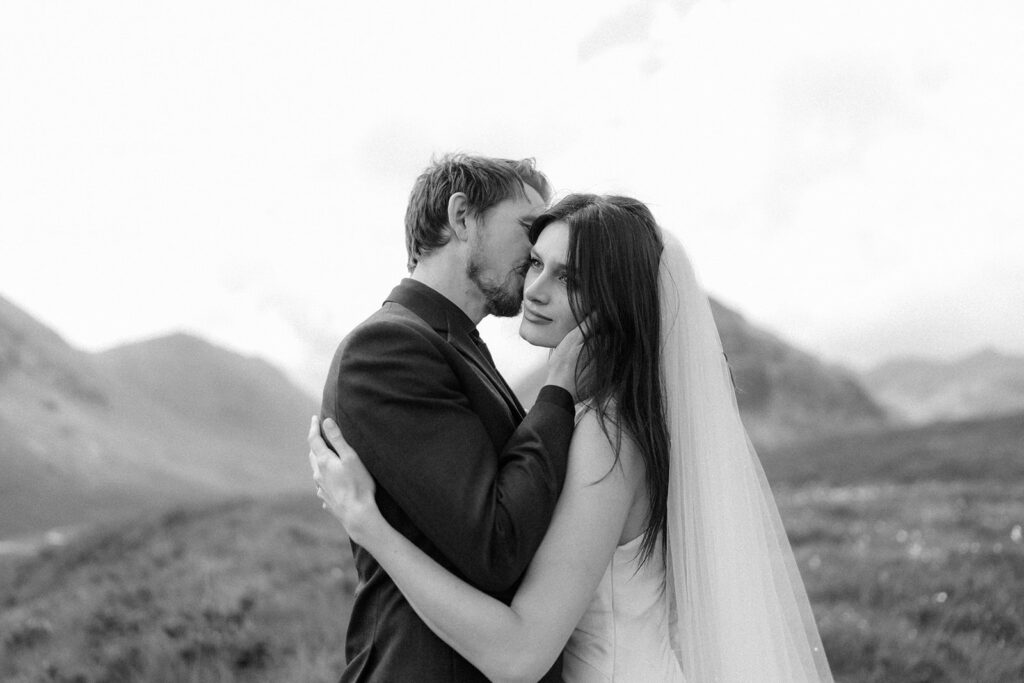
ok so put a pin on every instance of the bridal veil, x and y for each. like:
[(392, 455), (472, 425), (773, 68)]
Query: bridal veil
[(740, 611)]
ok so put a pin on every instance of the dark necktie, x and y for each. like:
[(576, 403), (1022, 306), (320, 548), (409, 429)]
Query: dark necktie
[(503, 388), (475, 336)]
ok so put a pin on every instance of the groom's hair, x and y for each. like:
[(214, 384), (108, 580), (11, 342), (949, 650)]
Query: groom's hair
[(484, 180)]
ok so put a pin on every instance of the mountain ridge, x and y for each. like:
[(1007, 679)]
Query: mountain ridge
[(91, 435), (918, 390), (786, 393)]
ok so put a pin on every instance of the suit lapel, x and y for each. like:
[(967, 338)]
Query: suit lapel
[(474, 355), (446, 318)]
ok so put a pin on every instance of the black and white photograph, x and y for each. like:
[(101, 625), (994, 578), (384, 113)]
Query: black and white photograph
[(619, 341)]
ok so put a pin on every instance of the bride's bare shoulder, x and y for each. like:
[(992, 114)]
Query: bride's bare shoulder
[(600, 446)]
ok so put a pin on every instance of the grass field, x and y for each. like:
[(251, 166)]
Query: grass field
[(911, 581), (241, 592), (914, 583)]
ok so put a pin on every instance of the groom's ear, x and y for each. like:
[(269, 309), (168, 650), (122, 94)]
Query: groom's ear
[(458, 212)]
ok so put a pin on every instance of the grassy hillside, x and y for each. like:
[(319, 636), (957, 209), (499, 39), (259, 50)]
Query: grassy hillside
[(911, 547), (909, 583), (243, 591), (989, 449)]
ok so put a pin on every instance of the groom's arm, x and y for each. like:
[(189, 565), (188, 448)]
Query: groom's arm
[(403, 409)]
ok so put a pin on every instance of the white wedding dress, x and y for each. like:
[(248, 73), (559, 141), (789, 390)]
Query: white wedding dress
[(624, 634)]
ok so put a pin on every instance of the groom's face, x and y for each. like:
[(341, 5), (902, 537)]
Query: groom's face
[(500, 248)]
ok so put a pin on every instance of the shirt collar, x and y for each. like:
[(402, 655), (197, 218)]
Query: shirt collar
[(434, 308)]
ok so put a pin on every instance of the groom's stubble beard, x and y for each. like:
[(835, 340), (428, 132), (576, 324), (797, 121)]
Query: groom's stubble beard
[(504, 299)]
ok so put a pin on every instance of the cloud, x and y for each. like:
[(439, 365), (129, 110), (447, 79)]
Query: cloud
[(811, 154), (635, 24), (629, 25)]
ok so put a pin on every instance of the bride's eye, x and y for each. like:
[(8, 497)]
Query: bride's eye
[(535, 263)]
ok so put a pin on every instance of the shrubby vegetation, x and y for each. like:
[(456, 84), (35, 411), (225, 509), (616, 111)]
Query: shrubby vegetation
[(243, 592), (914, 583), (911, 580)]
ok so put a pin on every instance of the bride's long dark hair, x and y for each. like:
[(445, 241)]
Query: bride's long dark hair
[(614, 252)]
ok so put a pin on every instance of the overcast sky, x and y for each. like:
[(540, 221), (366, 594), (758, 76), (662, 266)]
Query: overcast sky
[(847, 174)]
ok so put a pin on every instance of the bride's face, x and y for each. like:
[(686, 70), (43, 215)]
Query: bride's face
[(547, 316)]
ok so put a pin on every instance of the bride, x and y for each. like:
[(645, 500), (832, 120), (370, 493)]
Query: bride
[(666, 559)]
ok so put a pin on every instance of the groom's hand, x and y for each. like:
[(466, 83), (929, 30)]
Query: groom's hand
[(564, 367)]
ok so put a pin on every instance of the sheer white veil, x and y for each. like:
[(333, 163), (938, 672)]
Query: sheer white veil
[(739, 608)]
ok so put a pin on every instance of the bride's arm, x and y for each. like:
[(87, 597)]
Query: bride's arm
[(520, 641)]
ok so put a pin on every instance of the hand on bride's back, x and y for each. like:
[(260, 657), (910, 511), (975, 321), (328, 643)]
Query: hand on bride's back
[(343, 482)]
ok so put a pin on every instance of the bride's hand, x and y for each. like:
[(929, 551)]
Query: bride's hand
[(343, 482)]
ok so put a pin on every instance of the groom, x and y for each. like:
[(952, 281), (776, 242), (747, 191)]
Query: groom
[(461, 469)]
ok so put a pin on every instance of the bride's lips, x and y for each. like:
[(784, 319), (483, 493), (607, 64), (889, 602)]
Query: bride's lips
[(535, 318)]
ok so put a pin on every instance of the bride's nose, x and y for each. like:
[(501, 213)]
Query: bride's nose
[(536, 291)]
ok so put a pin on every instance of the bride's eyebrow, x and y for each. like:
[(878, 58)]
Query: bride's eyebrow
[(557, 266)]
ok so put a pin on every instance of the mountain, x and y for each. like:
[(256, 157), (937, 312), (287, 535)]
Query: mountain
[(61, 453), (918, 390), (987, 449), (249, 416), (86, 436), (784, 394), (29, 347)]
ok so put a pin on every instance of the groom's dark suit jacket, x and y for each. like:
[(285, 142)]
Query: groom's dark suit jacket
[(461, 471)]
